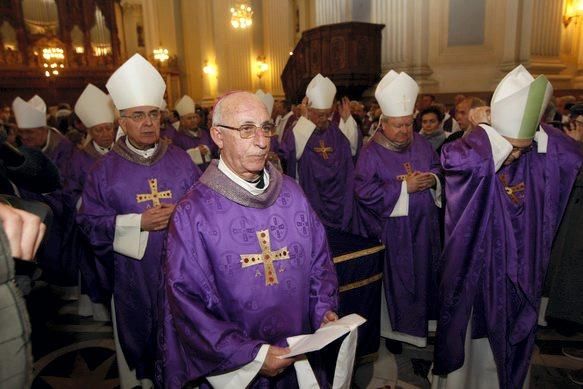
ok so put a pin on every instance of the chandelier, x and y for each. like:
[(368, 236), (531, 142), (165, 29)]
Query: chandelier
[(54, 58), (241, 16), (161, 54)]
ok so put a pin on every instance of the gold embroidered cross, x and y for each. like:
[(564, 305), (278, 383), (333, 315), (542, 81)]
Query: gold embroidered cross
[(266, 257), (405, 102), (409, 169), (323, 149), (512, 191), (154, 196)]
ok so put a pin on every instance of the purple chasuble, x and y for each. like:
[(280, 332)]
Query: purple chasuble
[(241, 271), (412, 242), (168, 133), (57, 256), (499, 228), (96, 278), (113, 188), (186, 140), (326, 174)]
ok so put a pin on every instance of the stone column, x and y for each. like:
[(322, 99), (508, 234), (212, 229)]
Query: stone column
[(234, 50), (278, 35), (151, 25), (517, 35), (545, 46), (405, 44), (332, 11)]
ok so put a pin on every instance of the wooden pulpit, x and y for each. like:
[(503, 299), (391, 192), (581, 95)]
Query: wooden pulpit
[(348, 53)]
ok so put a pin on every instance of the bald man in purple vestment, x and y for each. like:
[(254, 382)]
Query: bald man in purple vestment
[(398, 192), (247, 265), (507, 187)]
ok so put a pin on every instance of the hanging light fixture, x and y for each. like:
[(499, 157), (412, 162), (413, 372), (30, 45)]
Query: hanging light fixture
[(241, 16)]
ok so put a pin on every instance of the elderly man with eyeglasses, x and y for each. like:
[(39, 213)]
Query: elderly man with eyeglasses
[(247, 266), (126, 205)]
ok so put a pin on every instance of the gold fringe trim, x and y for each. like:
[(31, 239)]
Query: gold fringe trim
[(361, 283), (357, 254)]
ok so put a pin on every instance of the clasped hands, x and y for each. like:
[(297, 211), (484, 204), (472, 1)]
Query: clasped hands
[(273, 366), (420, 181), (156, 218)]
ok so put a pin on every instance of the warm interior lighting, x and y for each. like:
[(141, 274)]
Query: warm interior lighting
[(101, 50), (209, 69), (241, 16), (79, 49), (161, 54), (54, 58), (262, 66), (573, 10)]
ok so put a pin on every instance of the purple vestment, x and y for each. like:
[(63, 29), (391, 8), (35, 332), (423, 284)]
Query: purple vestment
[(412, 242), (499, 228), (57, 257), (241, 271), (326, 174), (168, 133), (112, 189), (187, 140), (96, 278)]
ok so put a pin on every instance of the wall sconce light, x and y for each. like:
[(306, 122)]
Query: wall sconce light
[(79, 49), (209, 69), (573, 10), (161, 54), (262, 66)]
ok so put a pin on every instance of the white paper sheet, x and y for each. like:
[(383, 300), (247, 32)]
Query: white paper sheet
[(323, 336)]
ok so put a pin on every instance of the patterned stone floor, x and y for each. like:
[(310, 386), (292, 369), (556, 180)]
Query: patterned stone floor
[(74, 352)]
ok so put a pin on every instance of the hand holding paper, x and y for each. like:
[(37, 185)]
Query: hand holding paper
[(331, 331)]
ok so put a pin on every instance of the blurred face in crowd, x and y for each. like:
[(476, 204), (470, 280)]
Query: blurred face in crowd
[(462, 111), (102, 134), (429, 122), (35, 138), (278, 109), (425, 102), (141, 125), (398, 130), (190, 121), (356, 109), (245, 157), (319, 117), (5, 114)]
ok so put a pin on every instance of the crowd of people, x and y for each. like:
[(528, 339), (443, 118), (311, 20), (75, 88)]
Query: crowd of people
[(201, 232)]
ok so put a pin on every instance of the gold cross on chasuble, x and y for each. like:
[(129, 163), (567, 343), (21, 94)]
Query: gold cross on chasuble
[(154, 196), (512, 191), (266, 257), (323, 150), (409, 169)]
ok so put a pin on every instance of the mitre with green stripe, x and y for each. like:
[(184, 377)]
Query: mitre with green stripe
[(519, 102)]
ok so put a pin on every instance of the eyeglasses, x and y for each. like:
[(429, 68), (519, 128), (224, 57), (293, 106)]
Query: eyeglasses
[(140, 116), (247, 131)]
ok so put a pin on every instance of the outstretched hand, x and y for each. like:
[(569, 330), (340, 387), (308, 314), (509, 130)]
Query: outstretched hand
[(345, 108)]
